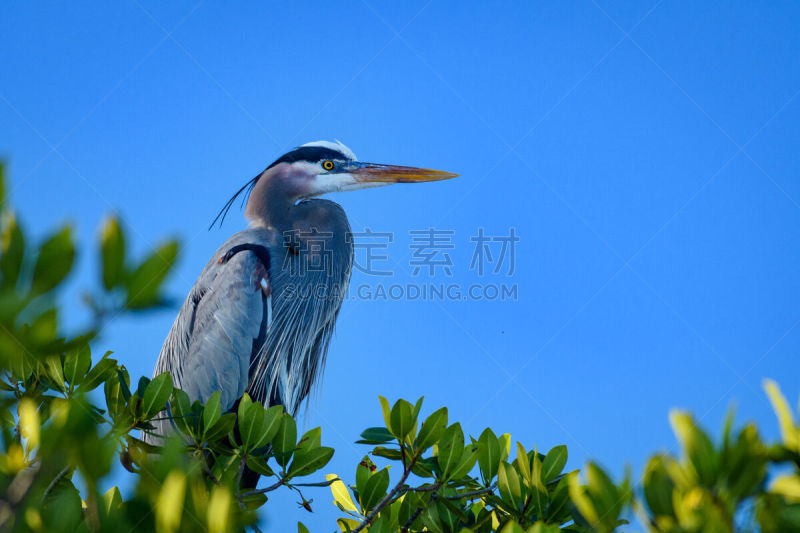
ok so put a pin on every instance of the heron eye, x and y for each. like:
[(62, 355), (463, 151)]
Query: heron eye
[(328, 165)]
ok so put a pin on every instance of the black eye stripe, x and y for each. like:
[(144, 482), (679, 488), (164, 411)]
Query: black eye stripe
[(312, 154)]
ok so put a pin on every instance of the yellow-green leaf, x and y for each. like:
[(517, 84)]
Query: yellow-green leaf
[(787, 486), (789, 432), (340, 493), (219, 507), (169, 505), (580, 499), (523, 465), (387, 412)]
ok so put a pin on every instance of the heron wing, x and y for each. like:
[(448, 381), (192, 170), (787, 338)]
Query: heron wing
[(222, 324)]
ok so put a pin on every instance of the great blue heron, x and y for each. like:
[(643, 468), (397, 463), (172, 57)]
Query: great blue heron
[(259, 318)]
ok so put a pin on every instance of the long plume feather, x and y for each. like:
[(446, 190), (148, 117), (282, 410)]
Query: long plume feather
[(247, 189)]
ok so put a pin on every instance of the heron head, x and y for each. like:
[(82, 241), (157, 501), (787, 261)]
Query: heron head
[(321, 167)]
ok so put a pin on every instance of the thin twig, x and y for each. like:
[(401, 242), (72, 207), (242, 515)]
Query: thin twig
[(239, 496), (386, 499), (239, 474), (53, 483), (410, 521), (265, 489), (208, 472), (424, 488), (472, 494), (436, 486)]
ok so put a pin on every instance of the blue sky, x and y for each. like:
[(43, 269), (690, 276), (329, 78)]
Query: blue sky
[(644, 152)]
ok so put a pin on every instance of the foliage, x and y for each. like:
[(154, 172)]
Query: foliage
[(66, 418)]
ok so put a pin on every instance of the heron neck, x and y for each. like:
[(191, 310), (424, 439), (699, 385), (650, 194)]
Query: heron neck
[(270, 204)]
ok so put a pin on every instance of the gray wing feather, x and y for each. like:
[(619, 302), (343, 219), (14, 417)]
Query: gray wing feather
[(228, 320), (209, 346)]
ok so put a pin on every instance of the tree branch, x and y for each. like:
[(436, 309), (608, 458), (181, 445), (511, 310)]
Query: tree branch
[(424, 488), (265, 489), (472, 494), (388, 498)]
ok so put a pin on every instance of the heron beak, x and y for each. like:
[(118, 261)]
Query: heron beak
[(376, 173)]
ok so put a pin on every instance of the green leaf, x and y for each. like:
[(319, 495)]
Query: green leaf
[(392, 454), (606, 497), (538, 490), (468, 459), (253, 502), (512, 527), (221, 427), (144, 381), (309, 461), (402, 418), (431, 519), (364, 471), (116, 392), (505, 445), (12, 250), (212, 411), (112, 499), (156, 394), (418, 407), (112, 244), (450, 448), (490, 456), (697, 446), (524, 465), (407, 509), (508, 483), (259, 465), (374, 490), (658, 487), (554, 463), (541, 527), (99, 373), (557, 509), (382, 524), (144, 283), (387, 413), (581, 500), (311, 439), (76, 365), (376, 435), (244, 404), (285, 439), (251, 421), (54, 261), (55, 371), (450, 513), (432, 429), (272, 422), (181, 410), (301, 528)]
